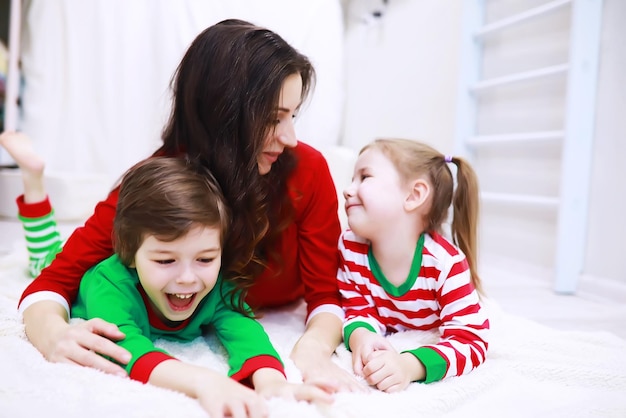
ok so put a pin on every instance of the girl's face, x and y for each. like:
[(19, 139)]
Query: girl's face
[(283, 134), (177, 275), (376, 195)]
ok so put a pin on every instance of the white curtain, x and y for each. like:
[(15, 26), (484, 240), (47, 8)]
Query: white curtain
[(96, 72)]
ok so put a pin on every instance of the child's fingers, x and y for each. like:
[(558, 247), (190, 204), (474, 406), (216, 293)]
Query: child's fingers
[(311, 393)]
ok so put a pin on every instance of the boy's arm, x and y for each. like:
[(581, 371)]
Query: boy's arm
[(248, 345), (109, 291)]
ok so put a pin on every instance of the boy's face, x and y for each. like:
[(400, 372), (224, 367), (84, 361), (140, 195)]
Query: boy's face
[(177, 275)]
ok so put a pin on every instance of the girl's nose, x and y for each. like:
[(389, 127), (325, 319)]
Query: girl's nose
[(349, 191)]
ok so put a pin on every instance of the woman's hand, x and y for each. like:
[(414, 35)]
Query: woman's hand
[(318, 369), (312, 355), (83, 343)]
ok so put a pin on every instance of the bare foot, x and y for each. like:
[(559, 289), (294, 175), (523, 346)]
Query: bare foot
[(20, 148)]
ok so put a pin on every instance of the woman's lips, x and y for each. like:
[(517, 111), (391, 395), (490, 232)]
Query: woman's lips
[(271, 157)]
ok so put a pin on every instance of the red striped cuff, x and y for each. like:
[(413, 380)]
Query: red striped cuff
[(145, 364), (33, 210)]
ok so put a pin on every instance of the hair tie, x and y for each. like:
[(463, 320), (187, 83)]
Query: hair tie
[(448, 158)]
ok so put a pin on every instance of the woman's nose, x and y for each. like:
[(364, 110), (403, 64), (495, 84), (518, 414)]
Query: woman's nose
[(286, 134)]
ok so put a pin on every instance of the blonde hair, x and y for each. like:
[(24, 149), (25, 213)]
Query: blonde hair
[(413, 159)]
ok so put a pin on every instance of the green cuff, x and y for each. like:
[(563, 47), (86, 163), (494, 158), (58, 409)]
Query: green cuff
[(349, 329), (435, 365)]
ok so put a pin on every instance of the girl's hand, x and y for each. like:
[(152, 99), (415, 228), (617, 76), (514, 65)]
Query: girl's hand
[(363, 343), (390, 371)]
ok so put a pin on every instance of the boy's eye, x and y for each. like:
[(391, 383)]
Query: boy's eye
[(169, 261)]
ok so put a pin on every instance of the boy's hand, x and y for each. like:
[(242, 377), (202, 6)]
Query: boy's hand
[(271, 383)]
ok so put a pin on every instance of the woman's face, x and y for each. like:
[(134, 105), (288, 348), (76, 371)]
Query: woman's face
[(283, 134)]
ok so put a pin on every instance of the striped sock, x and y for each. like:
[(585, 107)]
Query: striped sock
[(43, 240)]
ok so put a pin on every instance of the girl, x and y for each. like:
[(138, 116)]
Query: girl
[(236, 93), (398, 272)]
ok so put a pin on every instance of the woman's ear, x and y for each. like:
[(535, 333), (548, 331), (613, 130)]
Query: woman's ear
[(418, 194)]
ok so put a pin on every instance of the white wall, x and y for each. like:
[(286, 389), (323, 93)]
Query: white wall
[(401, 71), (402, 80), (97, 72)]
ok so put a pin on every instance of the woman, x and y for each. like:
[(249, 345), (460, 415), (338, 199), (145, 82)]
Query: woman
[(236, 93)]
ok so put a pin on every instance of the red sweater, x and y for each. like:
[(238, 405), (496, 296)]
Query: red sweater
[(307, 247)]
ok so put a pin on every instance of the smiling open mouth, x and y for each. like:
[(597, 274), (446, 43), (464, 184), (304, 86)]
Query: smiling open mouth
[(180, 301)]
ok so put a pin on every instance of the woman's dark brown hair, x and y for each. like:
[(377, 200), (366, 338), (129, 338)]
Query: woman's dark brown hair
[(226, 93)]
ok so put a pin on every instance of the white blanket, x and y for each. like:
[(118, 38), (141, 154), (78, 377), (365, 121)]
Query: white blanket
[(531, 371)]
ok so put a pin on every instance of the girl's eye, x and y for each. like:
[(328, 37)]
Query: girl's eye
[(364, 176), (206, 260), (164, 261)]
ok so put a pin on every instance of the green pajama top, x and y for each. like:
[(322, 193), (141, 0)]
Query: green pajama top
[(112, 291)]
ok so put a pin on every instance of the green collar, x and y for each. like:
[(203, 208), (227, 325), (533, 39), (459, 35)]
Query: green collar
[(410, 280)]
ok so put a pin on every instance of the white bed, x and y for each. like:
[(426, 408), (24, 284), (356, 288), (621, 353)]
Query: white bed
[(531, 371)]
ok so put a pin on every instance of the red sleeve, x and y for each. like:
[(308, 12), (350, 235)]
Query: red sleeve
[(244, 376), (318, 228), (87, 246), (143, 367)]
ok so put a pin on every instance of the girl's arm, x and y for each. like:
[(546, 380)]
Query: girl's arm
[(464, 327)]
